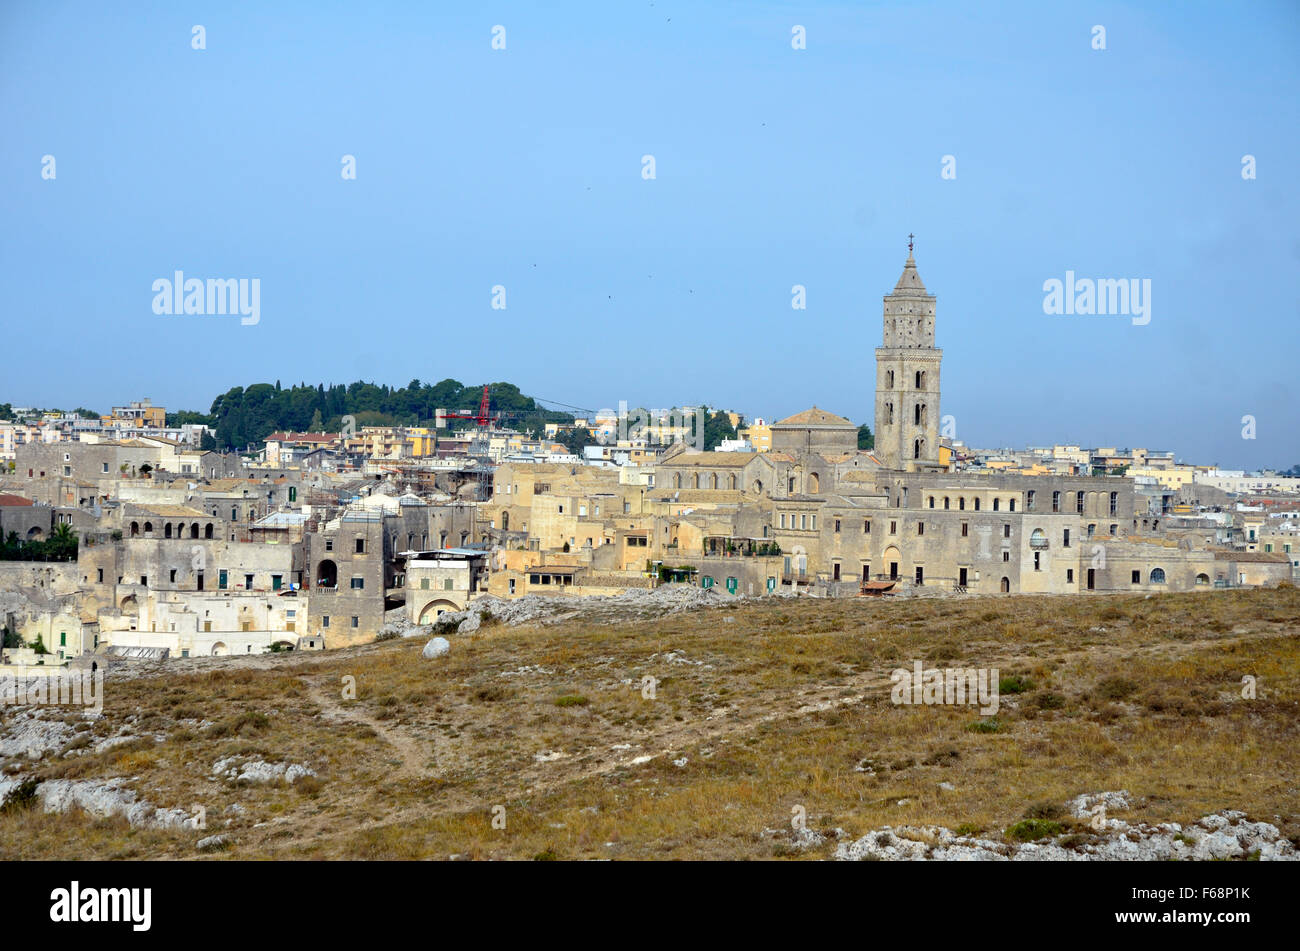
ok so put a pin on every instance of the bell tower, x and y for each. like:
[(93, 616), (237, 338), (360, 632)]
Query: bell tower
[(907, 377)]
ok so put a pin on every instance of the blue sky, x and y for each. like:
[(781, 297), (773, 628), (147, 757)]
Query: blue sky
[(775, 167)]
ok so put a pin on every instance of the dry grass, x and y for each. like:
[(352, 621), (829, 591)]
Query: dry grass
[(773, 705)]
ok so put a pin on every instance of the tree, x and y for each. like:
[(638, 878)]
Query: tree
[(145, 470), (38, 645), (207, 441), (317, 425), (865, 438), (717, 427)]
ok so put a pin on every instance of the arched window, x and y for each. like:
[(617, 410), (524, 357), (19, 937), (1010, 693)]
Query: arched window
[(167, 530), (135, 529), (932, 501), (945, 501), (1157, 576), (1202, 579), (814, 483), (961, 503), (996, 502), (977, 503), (327, 574), (733, 483), (207, 530), (697, 481), (148, 528), (916, 449), (1038, 539), (1006, 585), (194, 530), (677, 481), (889, 379), (920, 379), (713, 480), (889, 414)]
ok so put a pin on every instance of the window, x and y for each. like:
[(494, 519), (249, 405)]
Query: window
[(1079, 503), (837, 526), (920, 528), (1114, 529), (977, 503), (1006, 529), (248, 581), (1006, 556), (893, 528), (329, 544), (932, 501), (1038, 566), (1029, 500), (920, 575), (424, 584), (1056, 501), (961, 503), (1065, 542), (783, 520), (1114, 503), (814, 523), (996, 504), (221, 580), (1157, 576), (358, 584), (99, 575), (1069, 576), (356, 621), (1137, 577), (276, 582), (63, 639), (803, 521), (171, 576), (945, 502), (965, 529), (361, 544), (1011, 504), (866, 527), (325, 620)]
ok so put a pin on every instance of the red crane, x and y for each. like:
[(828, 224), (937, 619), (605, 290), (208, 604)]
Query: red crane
[(481, 418)]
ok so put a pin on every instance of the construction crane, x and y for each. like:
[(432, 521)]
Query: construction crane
[(481, 418), (484, 418)]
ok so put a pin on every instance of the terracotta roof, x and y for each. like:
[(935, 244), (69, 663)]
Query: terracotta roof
[(814, 417), (6, 499), (170, 511), (712, 460)]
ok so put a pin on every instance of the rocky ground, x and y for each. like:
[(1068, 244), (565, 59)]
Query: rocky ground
[(705, 726)]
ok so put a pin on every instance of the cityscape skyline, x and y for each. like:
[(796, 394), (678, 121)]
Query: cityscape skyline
[(775, 168)]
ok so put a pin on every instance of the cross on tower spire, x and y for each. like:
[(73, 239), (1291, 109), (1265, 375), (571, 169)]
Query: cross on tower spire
[(909, 244)]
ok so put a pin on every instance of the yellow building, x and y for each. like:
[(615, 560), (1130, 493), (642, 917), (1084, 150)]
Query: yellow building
[(758, 434)]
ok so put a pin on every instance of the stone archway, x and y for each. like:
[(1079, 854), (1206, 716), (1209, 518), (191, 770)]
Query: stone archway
[(431, 611)]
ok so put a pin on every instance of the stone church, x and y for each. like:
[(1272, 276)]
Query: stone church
[(896, 517)]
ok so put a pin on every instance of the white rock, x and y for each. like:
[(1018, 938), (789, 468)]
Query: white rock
[(437, 647)]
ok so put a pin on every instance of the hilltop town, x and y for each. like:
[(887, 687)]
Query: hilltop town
[(127, 537)]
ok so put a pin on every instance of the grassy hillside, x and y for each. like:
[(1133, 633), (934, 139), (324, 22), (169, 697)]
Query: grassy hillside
[(772, 705)]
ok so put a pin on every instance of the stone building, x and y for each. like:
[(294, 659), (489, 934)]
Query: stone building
[(907, 377)]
